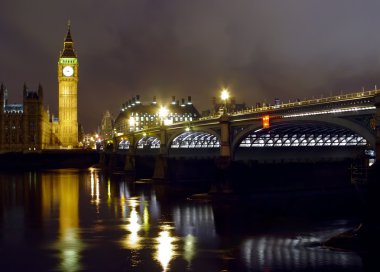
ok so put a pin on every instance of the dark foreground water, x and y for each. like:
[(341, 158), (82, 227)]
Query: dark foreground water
[(71, 220)]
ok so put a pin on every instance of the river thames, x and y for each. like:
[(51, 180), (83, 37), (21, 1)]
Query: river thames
[(84, 220)]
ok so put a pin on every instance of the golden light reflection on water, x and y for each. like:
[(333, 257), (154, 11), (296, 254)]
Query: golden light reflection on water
[(133, 226), (165, 248), (109, 191), (62, 189), (146, 218), (137, 213), (95, 190)]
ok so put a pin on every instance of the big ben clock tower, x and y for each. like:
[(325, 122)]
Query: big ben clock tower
[(68, 93)]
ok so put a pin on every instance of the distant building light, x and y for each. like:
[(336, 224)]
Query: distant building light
[(131, 121), (168, 122)]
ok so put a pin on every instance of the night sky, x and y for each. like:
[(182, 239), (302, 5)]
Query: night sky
[(259, 49)]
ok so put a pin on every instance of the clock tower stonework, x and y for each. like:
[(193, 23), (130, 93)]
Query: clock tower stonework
[(68, 94)]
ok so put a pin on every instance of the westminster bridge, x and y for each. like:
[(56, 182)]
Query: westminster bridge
[(330, 128)]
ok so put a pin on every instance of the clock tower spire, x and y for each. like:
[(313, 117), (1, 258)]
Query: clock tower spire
[(68, 93)]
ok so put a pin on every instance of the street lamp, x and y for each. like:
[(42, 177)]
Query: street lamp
[(225, 95), (163, 112)]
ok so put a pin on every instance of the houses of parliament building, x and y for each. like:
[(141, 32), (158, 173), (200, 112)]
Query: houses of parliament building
[(30, 126)]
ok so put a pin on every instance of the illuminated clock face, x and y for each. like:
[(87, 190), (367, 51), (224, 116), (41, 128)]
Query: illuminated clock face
[(68, 71)]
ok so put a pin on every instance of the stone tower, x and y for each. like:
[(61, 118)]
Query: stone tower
[(32, 119), (68, 93)]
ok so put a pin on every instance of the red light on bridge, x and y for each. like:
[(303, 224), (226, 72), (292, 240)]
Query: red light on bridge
[(266, 121)]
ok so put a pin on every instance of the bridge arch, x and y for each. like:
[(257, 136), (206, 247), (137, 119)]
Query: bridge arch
[(193, 130), (195, 139), (185, 144), (325, 121), (148, 142), (123, 145), (314, 140)]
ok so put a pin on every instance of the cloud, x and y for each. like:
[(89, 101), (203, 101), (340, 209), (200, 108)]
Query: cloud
[(260, 49)]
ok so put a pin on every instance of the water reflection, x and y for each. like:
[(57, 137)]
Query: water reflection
[(189, 248), (292, 254), (61, 190), (165, 249), (95, 223), (95, 190), (109, 191), (132, 240), (196, 220)]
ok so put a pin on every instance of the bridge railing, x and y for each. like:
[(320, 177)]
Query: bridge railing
[(314, 101)]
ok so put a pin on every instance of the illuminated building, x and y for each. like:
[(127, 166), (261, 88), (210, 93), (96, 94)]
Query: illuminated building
[(24, 126), (89, 141), (30, 126), (68, 92), (135, 115)]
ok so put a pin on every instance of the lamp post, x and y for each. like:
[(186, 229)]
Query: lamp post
[(225, 95)]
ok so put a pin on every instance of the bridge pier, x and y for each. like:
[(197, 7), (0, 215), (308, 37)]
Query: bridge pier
[(130, 163), (225, 143), (130, 158), (223, 163), (102, 160), (112, 163), (161, 165), (160, 168)]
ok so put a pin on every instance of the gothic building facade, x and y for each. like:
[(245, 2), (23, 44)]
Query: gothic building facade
[(24, 126), (30, 126)]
